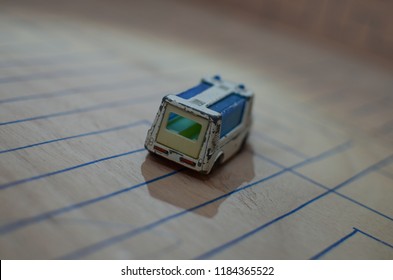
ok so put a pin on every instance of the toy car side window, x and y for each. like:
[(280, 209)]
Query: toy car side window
[(231, 109)]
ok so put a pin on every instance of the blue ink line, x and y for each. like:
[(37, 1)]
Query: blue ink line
[(77, 90), (4, 229), (344, 196), (118, 238), (45, 175), (21, 223), (374, 238), (234, 241), (334, 245), (323, 187), (108, 105), (77, 136)]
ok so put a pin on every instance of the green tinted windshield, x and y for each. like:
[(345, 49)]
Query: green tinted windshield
[(183, 126)]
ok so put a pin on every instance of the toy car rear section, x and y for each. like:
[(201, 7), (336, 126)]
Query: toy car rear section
[(197, 126)]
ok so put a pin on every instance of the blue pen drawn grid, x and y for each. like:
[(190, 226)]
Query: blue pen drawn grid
[(367, 238), (280, 163)]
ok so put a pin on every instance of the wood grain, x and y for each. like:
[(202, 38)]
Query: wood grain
[(80, 84)]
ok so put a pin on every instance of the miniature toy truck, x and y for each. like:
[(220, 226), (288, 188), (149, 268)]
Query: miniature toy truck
[(203, 126)]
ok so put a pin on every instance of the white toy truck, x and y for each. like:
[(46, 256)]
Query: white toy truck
[(203, 126)]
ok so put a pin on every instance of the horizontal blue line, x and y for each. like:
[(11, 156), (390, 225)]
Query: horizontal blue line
[(115, 104), (76, 136), (45, 175), (4, 229), (334, 245), (77, 90), (258, 229), (118, 238)]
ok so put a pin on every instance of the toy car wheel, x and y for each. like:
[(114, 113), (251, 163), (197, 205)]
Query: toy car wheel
[(243, 142), (217, 163)]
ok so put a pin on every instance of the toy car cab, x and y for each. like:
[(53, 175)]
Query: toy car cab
[(202, 126)]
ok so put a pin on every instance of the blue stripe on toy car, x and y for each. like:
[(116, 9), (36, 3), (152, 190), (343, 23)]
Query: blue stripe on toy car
[(195, 90), (231, 109)]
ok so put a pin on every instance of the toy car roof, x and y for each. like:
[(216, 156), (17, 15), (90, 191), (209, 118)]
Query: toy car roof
[(217, 99), (214, 96)]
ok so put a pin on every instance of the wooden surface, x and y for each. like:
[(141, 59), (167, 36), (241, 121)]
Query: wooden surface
[(361, 25), (80, 84)]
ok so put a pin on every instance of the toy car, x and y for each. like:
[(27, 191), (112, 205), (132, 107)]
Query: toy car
[(203, 126)]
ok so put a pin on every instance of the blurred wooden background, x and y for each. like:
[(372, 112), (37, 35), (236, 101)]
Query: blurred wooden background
[(80, 82), (364, 25)]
